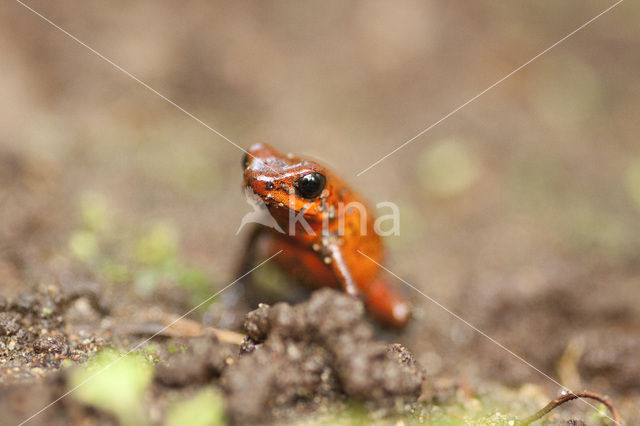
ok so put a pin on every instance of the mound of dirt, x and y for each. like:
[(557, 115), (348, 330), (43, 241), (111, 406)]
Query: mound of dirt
[(298, 357)]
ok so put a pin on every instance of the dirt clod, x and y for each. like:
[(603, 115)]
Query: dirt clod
[(204, 358), (56, 344), (316, 351), (256, 324)]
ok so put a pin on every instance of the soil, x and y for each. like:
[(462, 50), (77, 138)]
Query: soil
[(118, 213), (311, 359), (315, 358)]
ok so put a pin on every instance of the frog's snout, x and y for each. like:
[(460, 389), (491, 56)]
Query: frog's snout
[(260, 187)]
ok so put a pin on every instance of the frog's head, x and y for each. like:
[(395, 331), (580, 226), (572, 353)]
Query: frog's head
[(286, 182)]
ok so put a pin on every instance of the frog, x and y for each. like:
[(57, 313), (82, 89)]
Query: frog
[(326, 234)]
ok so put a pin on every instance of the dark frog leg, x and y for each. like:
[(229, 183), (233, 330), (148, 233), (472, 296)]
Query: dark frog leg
[(233, 303)]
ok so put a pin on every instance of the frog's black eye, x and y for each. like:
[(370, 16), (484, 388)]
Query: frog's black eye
[(311, 185), (245, 160)]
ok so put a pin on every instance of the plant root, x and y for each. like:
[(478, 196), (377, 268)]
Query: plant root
[(617, 420)]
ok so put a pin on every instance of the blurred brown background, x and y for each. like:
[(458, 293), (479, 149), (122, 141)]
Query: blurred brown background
[(520, 212)]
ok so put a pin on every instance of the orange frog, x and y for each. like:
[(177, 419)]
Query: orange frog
[(324, 224)]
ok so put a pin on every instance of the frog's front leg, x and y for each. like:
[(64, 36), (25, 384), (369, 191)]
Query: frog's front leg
[(340, 268), (261, 242), (249, 255), (234, 302), (383, 301)]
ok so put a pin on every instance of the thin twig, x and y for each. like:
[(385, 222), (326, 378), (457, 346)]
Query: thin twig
[(617, 420), (182, 328)]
